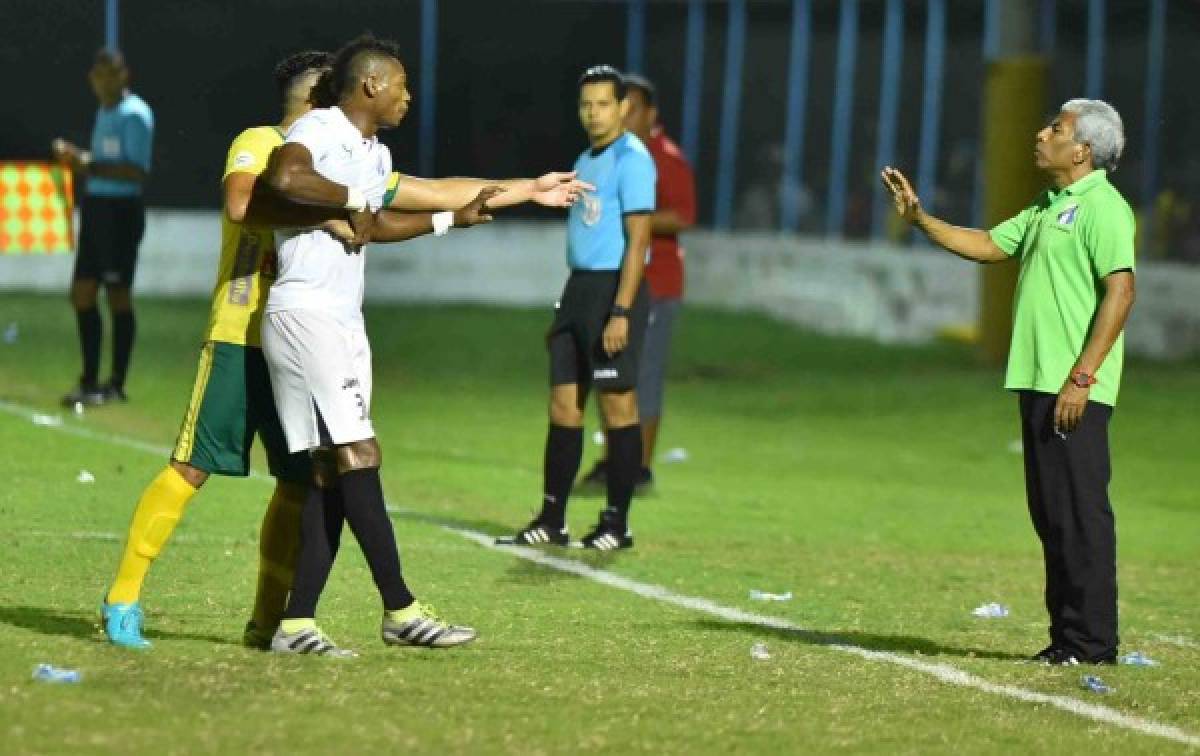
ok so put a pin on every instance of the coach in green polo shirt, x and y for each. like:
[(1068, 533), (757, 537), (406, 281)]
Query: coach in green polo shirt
[(1074, 244)]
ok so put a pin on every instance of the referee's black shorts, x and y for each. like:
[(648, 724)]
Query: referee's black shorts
[(110, 232), (576, 339)]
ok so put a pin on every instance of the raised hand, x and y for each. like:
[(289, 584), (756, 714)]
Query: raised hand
[(908, 205), (559, 189), (475, 211)]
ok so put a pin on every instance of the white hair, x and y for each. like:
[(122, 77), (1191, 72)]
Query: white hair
[(1099, 125)]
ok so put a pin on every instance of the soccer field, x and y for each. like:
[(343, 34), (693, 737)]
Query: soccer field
[(878, 485)]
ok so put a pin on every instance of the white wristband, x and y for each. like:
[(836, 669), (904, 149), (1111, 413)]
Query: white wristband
[(355, 199), (442, 222)]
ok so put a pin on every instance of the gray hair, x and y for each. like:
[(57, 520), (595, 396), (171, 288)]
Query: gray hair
[(1099, 125)]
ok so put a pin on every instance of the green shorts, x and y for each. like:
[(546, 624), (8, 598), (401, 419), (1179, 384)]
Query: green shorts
[(231, 402)]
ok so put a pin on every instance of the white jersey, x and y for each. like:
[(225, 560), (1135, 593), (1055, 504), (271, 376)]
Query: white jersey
[(315, 272)]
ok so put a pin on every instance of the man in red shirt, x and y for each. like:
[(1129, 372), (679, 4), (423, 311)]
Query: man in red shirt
[(675, 200)]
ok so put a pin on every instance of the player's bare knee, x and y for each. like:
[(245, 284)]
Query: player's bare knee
[(119, 299), (325, 467), (193, 475), (83, 295), (619, 408), (359, 455), (565, 409)]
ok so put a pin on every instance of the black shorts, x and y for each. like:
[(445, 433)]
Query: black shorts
[(576, 339), (109, 235)]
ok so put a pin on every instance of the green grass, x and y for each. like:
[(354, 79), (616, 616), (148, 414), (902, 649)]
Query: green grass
[(875, 483)]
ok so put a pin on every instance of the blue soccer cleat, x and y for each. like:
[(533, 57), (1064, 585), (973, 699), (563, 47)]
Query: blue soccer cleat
[(123, 624)]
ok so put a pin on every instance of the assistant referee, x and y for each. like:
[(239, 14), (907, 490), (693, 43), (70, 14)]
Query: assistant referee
[(112, 220), (1076, 288)]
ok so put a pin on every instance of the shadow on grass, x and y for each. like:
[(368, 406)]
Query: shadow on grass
[(905, 644), (83, 625)]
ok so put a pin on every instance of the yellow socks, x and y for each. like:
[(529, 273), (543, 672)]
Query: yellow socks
[(154, 519), (410, 612), (278, 545), (293, 626)]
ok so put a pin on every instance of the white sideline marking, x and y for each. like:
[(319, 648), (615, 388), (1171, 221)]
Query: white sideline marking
[(943, 672)]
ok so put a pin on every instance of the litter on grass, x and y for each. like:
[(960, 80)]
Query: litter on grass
[(1138, 659), (12, 333), (758, 595), (52, 674), (991, 611), (598, 438), (1095, 684), (85, 477), (675, 456), (759, 652)]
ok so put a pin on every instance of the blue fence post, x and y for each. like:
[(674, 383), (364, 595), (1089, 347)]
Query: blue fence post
[(843, 121), (931, 107), (730, 114), (427, 105), (635, 36), (1156, 52), (111, 25), (693, 82), (889, 106), (797, 99), (1047, 27), (1095, 49)]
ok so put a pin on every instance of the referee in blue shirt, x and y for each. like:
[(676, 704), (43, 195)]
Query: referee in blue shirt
[(600, 320), (111, 223)]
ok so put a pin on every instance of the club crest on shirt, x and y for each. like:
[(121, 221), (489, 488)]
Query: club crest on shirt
[(1067, 217), (592, 208)]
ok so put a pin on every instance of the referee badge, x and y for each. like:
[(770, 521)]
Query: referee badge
[(592, 208)]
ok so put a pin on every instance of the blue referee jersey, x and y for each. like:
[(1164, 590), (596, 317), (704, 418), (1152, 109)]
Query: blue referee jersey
[(624, 176), (123, 133)]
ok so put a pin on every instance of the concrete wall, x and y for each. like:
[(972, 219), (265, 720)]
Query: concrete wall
[(879, 291)]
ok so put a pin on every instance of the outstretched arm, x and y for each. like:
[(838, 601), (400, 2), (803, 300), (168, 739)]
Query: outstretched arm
[(431, 195), (394, 226), (968, 243)]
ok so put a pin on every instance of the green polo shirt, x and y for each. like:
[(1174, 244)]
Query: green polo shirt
[(1068, 240)]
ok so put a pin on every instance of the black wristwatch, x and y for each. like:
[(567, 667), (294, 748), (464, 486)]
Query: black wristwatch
[(619, 312)]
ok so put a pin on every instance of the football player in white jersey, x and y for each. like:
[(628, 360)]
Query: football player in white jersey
[(314, 337)]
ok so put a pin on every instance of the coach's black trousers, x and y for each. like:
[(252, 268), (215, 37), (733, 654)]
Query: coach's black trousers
[(1067, 486)]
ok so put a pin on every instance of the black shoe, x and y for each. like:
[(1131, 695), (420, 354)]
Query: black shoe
[(608, 535), (114, 392), (86, 394), (1045, 655), (598, 476), (537, 533), (1061, 657)]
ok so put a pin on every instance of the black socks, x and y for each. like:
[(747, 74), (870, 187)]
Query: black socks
[(124, 329), (564, 452), (320, 533), (367, 515), (91, 331), (624, 464)]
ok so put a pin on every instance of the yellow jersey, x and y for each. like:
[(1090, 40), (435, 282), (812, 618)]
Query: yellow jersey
[(247, 265)]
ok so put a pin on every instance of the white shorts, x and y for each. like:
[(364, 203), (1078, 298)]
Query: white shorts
[(320, 376)]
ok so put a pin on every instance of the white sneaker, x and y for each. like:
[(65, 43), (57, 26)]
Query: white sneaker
[(310, 640), (422, 627)]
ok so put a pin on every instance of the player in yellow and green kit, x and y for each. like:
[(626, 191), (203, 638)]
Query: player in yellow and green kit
[(231, 400)]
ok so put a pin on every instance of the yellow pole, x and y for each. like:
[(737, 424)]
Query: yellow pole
[(1015, 101)]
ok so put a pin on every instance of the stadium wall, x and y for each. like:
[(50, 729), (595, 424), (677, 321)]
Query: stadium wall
[(884, 292)]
